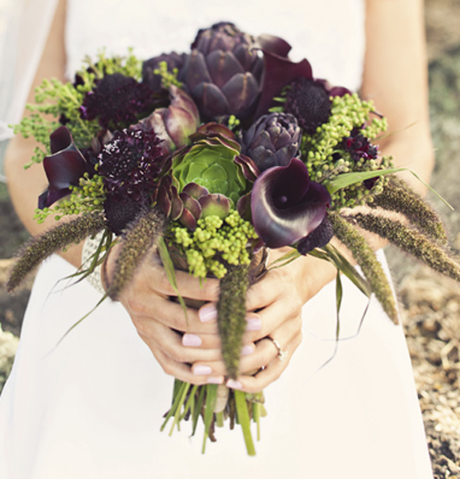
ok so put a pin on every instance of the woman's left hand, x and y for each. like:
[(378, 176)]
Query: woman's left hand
[(274, 307)]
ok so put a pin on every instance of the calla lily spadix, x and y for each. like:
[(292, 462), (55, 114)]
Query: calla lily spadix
[(286, 206)]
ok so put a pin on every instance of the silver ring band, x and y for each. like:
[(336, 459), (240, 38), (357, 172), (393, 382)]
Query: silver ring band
[(282, 354)]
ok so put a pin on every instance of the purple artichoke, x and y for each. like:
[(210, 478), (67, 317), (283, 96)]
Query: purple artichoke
[(223, 72), (273, 140), (176, 123), (286, 205)]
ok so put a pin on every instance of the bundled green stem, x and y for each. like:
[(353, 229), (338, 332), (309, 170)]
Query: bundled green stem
[(411, 241), (231, 309), (398, 197), (43, 246), (141, 235), (365, 257)]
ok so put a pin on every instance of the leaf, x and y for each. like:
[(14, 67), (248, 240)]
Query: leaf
[(334, 256), (243, 419), (347, 179), (211, 397), (170, 272)]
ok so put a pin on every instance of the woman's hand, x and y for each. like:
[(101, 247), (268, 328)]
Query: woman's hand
[(189, 348)]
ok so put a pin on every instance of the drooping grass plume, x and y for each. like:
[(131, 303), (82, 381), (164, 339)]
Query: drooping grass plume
[(411, 241), (398, 197), (140, 235), (231, 309), (365, 257), (40, 247)]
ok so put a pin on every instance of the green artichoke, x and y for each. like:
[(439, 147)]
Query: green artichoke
[(210, 162)]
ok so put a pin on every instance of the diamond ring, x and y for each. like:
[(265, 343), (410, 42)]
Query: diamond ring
[(282, 354)]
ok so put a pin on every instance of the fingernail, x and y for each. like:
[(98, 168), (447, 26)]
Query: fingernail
[(191, 340), (201, 370), (247, 350), (254, 324), (231, 383), (207, 313), (215, 380)]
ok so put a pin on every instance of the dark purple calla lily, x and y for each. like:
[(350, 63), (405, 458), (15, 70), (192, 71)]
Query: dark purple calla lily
[(63, 168), (286, 206), (279, 72)]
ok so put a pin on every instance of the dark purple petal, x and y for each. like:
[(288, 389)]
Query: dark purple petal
[(197, 70), (286, 205), (279, 72), (60, 139), (211, 101), (241, 92), (274, 44), (50, 196), (222, 66), (244, 207)]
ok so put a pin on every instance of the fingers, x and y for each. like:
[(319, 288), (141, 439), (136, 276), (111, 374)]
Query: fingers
[(187, 285), (258, 382)]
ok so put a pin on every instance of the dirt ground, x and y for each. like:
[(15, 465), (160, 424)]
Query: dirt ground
[(431, 304)]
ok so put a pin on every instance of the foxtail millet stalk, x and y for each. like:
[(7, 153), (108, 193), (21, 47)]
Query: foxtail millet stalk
[(365, 257), (231, 313), (411, 241), (138, 238), (41, 247), (398, 197)]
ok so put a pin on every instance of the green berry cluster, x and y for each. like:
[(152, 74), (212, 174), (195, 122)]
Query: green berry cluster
[(87, 197), (168, 78), (63, 100), (215, 243), (326, 157)]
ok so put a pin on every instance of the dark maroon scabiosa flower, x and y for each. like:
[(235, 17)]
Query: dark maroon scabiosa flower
[(223, 72), (308, 100), (273, 140), (286, 206), (359, 146), (117, 101), (132, 165), (63, 168)]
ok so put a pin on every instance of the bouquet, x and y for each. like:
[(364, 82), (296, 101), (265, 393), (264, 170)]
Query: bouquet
[(212, 157)]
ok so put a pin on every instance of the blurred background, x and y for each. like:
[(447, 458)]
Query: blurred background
[(430, 304)]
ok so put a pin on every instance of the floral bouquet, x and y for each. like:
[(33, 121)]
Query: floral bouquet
[(212, 157)]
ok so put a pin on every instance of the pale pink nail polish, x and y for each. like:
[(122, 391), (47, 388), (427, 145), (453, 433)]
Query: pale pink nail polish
[(231, 383), (215, 380), (191, 340), (201, 370), (254, 324), (207, 314), (247, 350)]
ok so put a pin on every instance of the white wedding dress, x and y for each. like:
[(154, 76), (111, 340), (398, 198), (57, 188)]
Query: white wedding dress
[(92, 407)]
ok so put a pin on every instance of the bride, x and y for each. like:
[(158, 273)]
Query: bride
[(92, 407)]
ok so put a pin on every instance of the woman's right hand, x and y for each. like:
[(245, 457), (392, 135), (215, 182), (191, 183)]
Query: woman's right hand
[(176, 341)]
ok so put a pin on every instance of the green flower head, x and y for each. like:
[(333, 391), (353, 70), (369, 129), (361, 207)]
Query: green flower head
[(209, 162)]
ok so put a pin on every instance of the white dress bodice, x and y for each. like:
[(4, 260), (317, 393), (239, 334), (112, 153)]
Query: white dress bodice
[(329, 33)]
